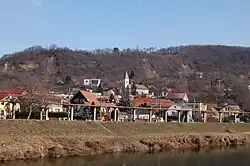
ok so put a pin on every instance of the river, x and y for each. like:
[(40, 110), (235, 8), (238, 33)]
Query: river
[(204, 157)]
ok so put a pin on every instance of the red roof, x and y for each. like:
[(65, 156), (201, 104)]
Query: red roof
[(176, 95), (157, 103), (139, 101), (103, 98), (161, 103), (13, 92), (2, 96), (90, 97)]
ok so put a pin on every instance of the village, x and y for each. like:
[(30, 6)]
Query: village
[(135, 102)]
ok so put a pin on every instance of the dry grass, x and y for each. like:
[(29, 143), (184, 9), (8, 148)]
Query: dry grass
[(22, 139), (56, 128)]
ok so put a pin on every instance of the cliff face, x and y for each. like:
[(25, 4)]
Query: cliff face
[(194, 69)]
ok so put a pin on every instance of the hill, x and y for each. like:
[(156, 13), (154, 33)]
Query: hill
[(205, 72)]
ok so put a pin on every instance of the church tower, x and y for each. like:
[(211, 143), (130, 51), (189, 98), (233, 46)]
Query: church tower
[(126, 80)]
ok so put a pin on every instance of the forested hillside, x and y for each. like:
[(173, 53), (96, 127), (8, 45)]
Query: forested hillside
[(205, 72)]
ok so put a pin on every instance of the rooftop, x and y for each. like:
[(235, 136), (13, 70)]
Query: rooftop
[(2, 96), (176, 95), (139, 101), (90, 97), (142, 87)]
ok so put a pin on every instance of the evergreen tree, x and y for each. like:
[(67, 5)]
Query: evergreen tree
[(132, 74), (133, 89), (67, 80), (100, 89)]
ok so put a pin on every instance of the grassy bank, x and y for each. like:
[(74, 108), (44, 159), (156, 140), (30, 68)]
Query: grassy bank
[(30, 139)]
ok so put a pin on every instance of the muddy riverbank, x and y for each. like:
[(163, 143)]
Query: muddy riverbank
[(33, 139), (179, 157)]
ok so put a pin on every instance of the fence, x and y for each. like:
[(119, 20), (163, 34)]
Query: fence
[(150, 114)]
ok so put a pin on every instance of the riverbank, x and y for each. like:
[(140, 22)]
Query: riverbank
[(22, 139)]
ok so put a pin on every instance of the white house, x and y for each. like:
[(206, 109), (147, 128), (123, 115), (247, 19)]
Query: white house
[(92, 82), (198, 106), (141, 90), (175, 108), (6, 106), (142, 115), (54, 104)]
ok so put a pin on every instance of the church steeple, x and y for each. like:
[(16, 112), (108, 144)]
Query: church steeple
[(126, 80), (126, 75)]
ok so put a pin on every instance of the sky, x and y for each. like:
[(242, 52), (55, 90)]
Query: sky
[(91, 24)]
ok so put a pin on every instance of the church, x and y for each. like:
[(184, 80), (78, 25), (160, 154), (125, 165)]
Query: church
[(141, 90)]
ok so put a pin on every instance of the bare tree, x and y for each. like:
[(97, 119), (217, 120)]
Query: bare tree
[(31, 100)]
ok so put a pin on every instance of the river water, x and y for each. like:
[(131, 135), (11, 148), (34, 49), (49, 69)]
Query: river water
[(204, 157)]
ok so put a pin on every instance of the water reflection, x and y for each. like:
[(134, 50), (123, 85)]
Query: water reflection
[(194, 157)]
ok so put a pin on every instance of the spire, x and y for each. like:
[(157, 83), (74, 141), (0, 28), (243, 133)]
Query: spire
[(126, 75), (126, 80)]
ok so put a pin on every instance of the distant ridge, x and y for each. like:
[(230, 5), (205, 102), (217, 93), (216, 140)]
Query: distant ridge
[(176, 67)]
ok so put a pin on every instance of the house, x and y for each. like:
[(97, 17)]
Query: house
[(59, 94), (8, 104), (178, 97), (84, 97), (52, 101), (182, 108), (164, 104), (92, 82), (123, 116), (161, 103), (142, 114), (152, 103), (197, 106), (141, 90), (198, 109), (165, 92), (173, 110), (3, 111), (54, 104), (230, 108), (88, 98)]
